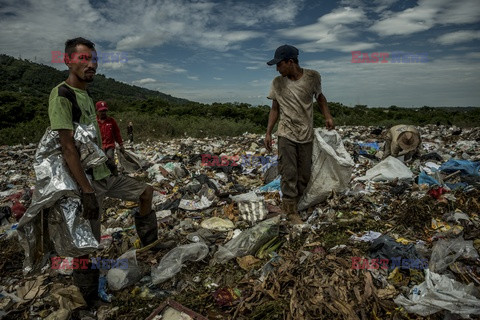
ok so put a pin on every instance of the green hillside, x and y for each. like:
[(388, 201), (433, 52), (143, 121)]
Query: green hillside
[(38, 80)]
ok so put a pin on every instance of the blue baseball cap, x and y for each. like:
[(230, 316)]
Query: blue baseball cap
[(282, 53)]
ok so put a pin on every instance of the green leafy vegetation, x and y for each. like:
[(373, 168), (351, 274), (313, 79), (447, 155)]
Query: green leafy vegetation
[(25, 87)]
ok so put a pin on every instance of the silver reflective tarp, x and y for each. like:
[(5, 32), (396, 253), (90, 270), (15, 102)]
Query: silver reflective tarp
[(57, 191)]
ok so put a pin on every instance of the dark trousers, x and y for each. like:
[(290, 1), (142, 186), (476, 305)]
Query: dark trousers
[(295, 164), (110, 153)]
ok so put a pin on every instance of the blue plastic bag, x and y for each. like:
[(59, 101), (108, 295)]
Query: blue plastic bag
[(368, 147), (424, 178), (465, 167), (272, 186)]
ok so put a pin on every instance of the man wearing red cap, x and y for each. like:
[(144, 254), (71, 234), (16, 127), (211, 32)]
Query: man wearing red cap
[(110, 134)]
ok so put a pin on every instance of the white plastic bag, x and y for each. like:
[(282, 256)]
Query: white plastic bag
[(332, 168), (118, 278), (173, 261), (388, 170), (437, 293), (252, 206), (447, 251), (249, 241)]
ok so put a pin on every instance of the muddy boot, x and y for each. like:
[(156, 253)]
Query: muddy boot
[(87, 281), (147, 227), (289, 207)]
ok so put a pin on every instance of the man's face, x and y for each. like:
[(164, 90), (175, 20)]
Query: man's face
[(102, 114), (284, 67), (83, 63)]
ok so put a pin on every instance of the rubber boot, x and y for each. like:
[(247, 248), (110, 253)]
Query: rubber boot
[(147, 227), (289, 207), (112, 167), (87, 281)]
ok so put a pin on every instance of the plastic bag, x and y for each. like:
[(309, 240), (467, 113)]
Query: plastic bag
[(424, 178), (70, 233), (385, 247), (249, 241), (217, 224), (465, 167), (192, 205), (445, 252), (331, 168), (437, 293), (368, 147), (252, 207), (388, 170), (130, 162), (173, 261), (272, 186), (246, 197), (121, 278)]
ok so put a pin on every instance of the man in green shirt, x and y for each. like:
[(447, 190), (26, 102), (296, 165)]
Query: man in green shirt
[(69, 102)]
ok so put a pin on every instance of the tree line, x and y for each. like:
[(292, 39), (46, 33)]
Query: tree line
[(25, 87)]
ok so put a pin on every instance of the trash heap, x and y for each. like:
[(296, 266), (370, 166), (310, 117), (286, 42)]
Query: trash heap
[(400, 242)]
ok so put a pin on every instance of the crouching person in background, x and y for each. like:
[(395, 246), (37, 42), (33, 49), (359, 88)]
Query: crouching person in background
[(402, 140)]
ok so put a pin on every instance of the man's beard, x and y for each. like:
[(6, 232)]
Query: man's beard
[(88, 79)]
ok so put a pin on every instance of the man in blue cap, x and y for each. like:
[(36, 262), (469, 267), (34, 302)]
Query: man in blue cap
[(292, 96)]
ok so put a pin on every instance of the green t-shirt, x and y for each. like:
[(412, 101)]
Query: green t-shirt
[(62, 114)]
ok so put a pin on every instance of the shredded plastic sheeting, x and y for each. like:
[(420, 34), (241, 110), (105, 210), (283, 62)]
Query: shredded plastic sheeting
[(438, 293), (173, 261)]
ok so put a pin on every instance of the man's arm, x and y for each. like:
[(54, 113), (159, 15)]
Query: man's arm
[(71, 156), (322, 104), (272, 119), (387, 147), (91, 209), (117, 134)]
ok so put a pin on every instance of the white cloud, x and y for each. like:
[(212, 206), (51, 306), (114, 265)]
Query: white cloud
[(216, 78), (406, 22), (166, 68), (195, 78), (145, 40), (426, 15), (383, 84), (250, 14), (377, 6), (458, 37), (131, 25), (460, 12), (473, 55), (144, 81), (112, 66), (335, 30)]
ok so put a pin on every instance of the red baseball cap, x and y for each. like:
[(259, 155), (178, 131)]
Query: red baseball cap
[(101, 105)]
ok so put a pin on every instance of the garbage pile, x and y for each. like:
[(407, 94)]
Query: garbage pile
[(401, 241)]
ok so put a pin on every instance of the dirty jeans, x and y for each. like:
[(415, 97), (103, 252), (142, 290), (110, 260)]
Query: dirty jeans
[(295, 163)]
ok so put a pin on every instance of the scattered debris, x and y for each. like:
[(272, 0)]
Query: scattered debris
[(224, 251)]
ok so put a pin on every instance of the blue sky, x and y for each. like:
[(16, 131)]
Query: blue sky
[(216, 51)]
